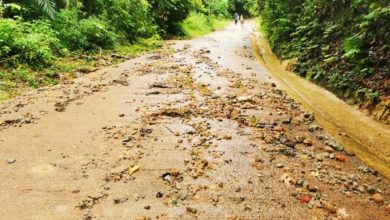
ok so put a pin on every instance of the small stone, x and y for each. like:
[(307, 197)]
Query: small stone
[(306, 198), (340, 158), (331, 207), (388, 208), (308, 142), (191, 210), (313, 128), (121, 115), (335, 146), (331, 156), (378, 198), (349, 152), (299, 139), (319, 158), (11, 160), (342, 213), (279, 165), (159, 195), (147, 207), (371, 190), (227, 137), (328, 149), (247, 208), (121, 200)]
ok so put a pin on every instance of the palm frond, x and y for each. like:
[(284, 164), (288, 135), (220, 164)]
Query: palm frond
[(47, 7)]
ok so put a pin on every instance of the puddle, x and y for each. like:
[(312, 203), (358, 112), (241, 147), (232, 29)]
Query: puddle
[(367, 138)]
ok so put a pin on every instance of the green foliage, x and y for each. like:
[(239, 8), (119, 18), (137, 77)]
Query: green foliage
[(41, 39), (31, 8), (82, 34), (130, 18), (352, 47), (96, 34), (217, 8), (168, 14), (47, 7), (66, 23), (243, 7), (34, 43), (198, 24), (340, 44)]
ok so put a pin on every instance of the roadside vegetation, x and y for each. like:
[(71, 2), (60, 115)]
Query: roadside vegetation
[(341, 45), (198, 24), (44, 41)]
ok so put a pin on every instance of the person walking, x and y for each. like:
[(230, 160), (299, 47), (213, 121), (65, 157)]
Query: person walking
[(236, 18), (242, 21)]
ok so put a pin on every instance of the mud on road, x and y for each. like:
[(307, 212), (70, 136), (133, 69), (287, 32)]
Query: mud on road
[(196, 130)]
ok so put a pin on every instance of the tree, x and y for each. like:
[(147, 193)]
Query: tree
[(36, 8), (168, 14)]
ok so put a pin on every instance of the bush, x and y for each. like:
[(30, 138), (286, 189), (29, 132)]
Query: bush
[(130, 18), (66, 23), (97, 35), (34, 43), (216, 8), (168, 14), (84, 34)]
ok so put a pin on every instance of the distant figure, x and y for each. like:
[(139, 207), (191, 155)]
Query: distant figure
[(242, 21), (236, 18)]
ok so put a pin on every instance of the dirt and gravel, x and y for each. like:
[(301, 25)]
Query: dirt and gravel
[(196, 130)]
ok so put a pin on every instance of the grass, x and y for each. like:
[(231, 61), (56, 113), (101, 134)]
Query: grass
[(13, 81), (197, 25)]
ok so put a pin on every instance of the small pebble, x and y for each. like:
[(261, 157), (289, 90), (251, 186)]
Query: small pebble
[(11, 160)]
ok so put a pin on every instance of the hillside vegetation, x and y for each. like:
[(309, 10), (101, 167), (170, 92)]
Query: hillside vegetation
[(342, 45), (43, 41)]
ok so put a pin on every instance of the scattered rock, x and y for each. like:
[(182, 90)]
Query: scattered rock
[(371, 190), (334, 145), (159, 195), (306, 198), (308, 142), (378, 198), (279, 165), (340, 158), (388, 208), (331, 207), (147, 207), (342, 213), (299, 139), (191, 210), (121, 200), (328, 149), (11, 160)]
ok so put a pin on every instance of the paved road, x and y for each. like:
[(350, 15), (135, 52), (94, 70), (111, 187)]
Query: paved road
[(195, 130)]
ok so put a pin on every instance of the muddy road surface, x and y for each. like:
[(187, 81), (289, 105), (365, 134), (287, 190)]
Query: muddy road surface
[(196, 130)]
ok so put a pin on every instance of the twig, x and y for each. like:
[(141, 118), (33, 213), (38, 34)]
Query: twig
[(168, 129)]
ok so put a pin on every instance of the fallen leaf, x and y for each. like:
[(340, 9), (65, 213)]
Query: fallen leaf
[(134, 169)]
